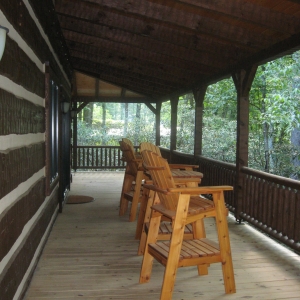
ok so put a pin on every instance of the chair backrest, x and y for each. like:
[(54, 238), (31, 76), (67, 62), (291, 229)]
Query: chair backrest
[(129, 157), (129, 142), (151, 147), (162, 178)]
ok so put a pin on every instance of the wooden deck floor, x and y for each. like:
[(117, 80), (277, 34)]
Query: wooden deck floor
[(91, 254)]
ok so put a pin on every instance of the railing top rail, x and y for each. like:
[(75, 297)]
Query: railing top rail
[(292, 183), (95, 147), (223, 164)]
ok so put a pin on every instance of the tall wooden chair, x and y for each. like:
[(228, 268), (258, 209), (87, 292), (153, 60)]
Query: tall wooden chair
[(182, 177), (132, 183), (183, 206)]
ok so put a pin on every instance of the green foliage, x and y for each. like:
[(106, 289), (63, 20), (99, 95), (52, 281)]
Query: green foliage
[(220, 99), (219, 138), (113, 130), (186, 124)]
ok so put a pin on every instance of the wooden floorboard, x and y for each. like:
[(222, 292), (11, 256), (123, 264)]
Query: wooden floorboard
[(91, 254)]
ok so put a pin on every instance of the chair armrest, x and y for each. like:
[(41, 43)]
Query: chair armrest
[(183, 166), (201, 189), (154, 188)]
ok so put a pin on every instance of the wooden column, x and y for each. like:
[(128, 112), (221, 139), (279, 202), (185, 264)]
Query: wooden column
[(199, 95), (60, 150), (75, 139), (174, 109), (157, 123), (243, 80)]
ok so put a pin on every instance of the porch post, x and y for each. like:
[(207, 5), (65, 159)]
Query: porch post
[(174, 108), (199, 95), (243, 80), (75, 139)]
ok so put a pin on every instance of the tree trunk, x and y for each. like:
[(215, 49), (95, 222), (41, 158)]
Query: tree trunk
[(125, 120), (88, 114), (267, 130), (137, 124), (103, 125), (295, 141)]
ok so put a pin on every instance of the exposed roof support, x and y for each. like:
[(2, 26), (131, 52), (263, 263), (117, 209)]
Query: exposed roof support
[(163, 48), (112, 99)]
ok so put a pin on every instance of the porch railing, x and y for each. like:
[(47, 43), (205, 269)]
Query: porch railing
[(97, 158), (270, 203)]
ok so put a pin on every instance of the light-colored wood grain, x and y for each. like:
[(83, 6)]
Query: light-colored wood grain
[(91, 254)]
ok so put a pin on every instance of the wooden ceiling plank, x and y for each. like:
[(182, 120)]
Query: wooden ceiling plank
[(192, 43), (191, 24), (104, 69), (190, 40), (163, 53), (244, 11), (137, 66)]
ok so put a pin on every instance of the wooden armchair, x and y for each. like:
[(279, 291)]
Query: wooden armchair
[(132, 183), (184, 175), (184, 206)]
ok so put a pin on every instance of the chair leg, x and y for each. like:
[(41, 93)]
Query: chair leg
[(199, 232), (152, 199), (136, 196), (151, 238), (142, 213), (175, 247), (127, 184), (224, 242)]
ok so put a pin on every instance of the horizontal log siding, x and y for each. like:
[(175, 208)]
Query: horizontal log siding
[(19, 264), (22, 70), (17, 14), (12, 221), (18, 116), (25, 72), (16, 166)]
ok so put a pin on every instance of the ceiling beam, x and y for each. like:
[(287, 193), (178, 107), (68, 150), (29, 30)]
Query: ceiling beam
[(110, 99)]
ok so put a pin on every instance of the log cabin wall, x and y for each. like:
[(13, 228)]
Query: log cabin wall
[(26, 211)]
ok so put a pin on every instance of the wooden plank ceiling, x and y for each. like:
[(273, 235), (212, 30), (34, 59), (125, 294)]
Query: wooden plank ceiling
[(90, 89), (159, 48)]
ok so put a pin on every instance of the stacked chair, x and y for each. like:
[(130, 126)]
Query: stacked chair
[(184, 205), (132, 182)]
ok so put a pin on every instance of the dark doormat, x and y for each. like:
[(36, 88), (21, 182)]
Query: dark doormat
[(78, 199)]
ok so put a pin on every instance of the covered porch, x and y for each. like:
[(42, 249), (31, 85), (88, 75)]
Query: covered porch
[(91, 253)]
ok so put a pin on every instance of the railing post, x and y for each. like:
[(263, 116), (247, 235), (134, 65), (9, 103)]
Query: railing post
[(243, 80)]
